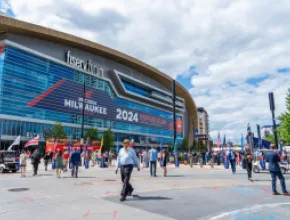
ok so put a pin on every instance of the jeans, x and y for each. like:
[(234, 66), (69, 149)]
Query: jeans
[(35, 168), (249, 167), (45, 164), (153, 168), (74, 170), (233, 165), (274, 175), (126, 171)]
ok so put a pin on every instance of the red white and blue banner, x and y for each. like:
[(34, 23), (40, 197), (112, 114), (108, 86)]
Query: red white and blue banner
[(32, 142), (67, 96)]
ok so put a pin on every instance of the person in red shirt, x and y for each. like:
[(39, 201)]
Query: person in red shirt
[(65, 160)]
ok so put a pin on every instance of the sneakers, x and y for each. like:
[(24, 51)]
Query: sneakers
[(276, 193), (130, 193), (122, 199)]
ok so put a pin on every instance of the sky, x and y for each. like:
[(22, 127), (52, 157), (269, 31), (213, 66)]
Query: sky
[(228, 54)]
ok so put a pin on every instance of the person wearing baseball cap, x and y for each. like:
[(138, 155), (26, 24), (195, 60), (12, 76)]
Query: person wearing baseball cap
[(126, 160)]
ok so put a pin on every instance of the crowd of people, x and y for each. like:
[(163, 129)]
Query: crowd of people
[(128, 158), (62, 160)]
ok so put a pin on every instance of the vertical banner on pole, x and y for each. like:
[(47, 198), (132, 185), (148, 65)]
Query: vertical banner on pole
[(53, 163), (87, 161), (68, 149)]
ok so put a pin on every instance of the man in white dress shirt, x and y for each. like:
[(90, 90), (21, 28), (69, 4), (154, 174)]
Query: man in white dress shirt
[(126, 160)]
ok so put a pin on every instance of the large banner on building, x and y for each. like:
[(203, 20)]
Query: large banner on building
[(67, 96)]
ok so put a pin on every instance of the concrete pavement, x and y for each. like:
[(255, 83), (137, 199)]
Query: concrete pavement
[(187, 193)]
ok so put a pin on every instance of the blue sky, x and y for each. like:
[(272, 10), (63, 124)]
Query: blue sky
[(6, 8), (228, 54)]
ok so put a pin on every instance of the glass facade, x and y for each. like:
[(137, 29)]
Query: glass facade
[(24, 76)]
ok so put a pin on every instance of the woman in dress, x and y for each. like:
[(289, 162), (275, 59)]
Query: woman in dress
[(164, 161), (23, 163), (59, 162)]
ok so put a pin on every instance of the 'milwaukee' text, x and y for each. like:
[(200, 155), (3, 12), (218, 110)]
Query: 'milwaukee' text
[(90, 106)]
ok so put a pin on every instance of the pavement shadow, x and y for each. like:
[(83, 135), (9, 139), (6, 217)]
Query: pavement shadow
[(175, 176), (137, 197), (79, 177), (257, 180)]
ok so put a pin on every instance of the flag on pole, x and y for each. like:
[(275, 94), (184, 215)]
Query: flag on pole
[(102, 143), (118, 145), (224, 143), (161, 146), (32, 142), (87, 145), (15, 142), (69, 145), (219, 141), (55, 145), (132, 143), (242, 144)]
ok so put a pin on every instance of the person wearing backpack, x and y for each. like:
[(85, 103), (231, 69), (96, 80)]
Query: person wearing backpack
[(249, 163), (232, 158)]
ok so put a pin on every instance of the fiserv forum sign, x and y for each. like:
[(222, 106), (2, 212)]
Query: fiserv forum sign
[(84, 65)]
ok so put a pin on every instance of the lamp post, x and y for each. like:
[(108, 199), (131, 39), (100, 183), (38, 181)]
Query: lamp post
[(174, 123), (272, 108)]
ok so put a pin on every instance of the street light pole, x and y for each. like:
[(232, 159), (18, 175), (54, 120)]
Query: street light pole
[(272, 108), (174, 115), (83, 113)]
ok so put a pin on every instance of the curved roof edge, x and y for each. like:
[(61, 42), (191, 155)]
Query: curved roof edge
[(11, 25)]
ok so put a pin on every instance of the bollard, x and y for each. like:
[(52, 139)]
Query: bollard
[(87, 163), (226, 163), (243, 163), (176, 160), (147, 164), (190, 162), (53, 164), (102, 163), (262, 162), (17, 165)]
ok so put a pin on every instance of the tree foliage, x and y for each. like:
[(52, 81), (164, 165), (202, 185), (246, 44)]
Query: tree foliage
[(194, 146), (92, 134), (184, 145), (284, 129), (108, 140), (58, 131), (270, 137)]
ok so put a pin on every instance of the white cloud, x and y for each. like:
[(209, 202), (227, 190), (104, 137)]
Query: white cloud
[(227, 41)]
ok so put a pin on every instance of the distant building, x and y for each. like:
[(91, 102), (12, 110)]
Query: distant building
[(203, 124)]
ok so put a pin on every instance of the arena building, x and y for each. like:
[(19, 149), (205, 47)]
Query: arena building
[(45, 75)]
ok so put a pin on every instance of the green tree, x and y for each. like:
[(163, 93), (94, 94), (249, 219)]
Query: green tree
[(184, 145), (194, 146), (92, 134), (202, 146), (270, 137), (284, 129), (108, 140), (58, 131)]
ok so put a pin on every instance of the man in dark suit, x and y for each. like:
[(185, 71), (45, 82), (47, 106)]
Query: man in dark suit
[(275, 171), (75, 160)]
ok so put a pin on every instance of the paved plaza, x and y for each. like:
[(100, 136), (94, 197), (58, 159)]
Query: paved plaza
[(187, 193)]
